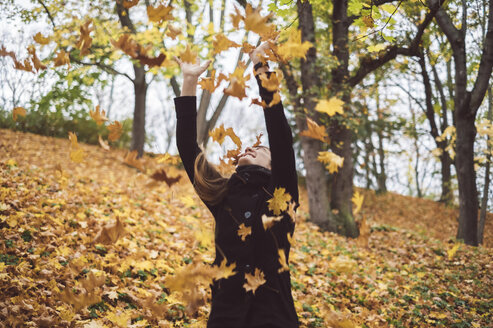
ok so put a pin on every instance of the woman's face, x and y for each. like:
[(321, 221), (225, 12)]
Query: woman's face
[(255, 155)]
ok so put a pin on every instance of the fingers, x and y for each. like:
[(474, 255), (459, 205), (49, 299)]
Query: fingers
[(178, 60), (205, 65)]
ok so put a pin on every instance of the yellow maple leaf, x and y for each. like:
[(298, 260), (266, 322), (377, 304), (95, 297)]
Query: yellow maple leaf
[(209, 83), (220, 133), (121, 319), (293, 47), (40, 39), (77, 155), (132, 160), (85, 40), (188, 56), (111, 232), (18, 111), (116, 130), (160, 13), (282, 261), (273, 81), (333, 162), (98, 115), (221, 43), (236, 18), (225, 271), (358, 201), (268, 221), (279, 201), (257, 23), (244, 231), (315, 131), (376, 48), (188, 201), (331, 106), (254, 281), (173, 32)]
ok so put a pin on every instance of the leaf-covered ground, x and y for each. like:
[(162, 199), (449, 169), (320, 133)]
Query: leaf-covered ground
[(58, 269)]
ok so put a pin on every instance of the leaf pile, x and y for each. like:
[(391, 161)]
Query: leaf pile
[(95, 244)]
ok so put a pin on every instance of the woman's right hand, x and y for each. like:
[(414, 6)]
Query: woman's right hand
[(192, 70)]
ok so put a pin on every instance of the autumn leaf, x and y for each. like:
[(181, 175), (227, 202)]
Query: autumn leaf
[(173, 32), (272, 82), (279, 201), (208, 83), (23, 66), (160, 13), (79, 301), (34, 58), (126, 44), (131, 160), (160, 175), (377, 47), (258, 142), (451, 252), (98, 115), (221, 43), (130, 3), (77, 155), (293, 47), (103, 143), (331, 106), (315, 131), (111, 232), (237, 81), (342, 264), (40, 39), (254, 281), (219, 134), (244, 231), (364, 233), (268, 221), (18, 111), (257, 23), (332, 161), (188, 56), (225, 271), (236, 18), (116, 130), (85, 40), (358, 201), (282, 261), (61, 58)]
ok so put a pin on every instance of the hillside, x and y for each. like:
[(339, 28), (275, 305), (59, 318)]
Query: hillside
[(58, 267)]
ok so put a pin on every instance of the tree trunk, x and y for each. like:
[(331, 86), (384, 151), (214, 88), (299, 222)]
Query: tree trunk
[(139, 121), (484, 201), (341, 136), (316, 184)]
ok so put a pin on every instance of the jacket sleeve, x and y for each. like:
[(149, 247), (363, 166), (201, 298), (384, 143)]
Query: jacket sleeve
[(186, 132), (281, 145)]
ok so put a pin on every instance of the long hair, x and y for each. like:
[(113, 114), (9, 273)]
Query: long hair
[(210, 185)]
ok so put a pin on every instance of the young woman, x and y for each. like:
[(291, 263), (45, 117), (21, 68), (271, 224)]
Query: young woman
[(242, 199)]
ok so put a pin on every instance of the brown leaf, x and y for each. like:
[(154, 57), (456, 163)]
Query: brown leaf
[(254, 281), (110, 233), (160, 175)]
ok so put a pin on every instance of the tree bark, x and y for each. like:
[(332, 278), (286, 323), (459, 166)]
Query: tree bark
[(139, 121), (484, 202), (316, 182), (466, 106)]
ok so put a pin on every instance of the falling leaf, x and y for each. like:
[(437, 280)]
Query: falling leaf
[(258, 142), (103, 143), (131, 160), (85, 40), (77, 155), (279, 201), (160, 13), (268, 221), (221, 43), (79, 301), (254, 281), (110, 233), (244, 231), (236, 18), (208, 83), (160, 175), (273, 81), (116, 130), (225, 271), (173, 32), (98, 115), (247, 47), (257, 23), (188, 56), (34, 58), (61, 58), (219, 134), (40, 39), (237, 81), (130, 3), (358, 201), (364, 233), (293, 47), (282, 261), (18, 111), (331, 106), (315, 131), (126, 44), (332, 161)]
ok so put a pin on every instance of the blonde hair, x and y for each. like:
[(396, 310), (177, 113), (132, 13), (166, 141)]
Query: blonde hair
[(209, 183)]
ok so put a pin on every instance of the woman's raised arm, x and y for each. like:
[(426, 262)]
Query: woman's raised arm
[(186, 115)]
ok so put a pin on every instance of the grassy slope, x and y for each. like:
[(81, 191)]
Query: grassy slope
[(51, 269)]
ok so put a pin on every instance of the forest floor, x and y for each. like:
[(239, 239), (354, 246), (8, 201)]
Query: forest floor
[(94, 244)]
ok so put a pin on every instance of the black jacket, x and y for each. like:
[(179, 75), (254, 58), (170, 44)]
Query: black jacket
[(249, 188)]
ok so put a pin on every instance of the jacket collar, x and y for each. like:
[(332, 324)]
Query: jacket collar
[(255, 175)]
